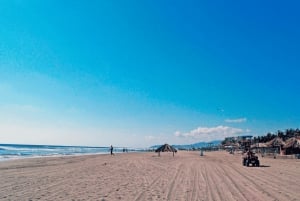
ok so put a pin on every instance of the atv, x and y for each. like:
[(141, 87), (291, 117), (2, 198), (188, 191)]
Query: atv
[(250, 158)]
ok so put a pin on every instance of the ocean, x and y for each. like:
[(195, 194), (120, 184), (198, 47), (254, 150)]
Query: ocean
[(19, 151)]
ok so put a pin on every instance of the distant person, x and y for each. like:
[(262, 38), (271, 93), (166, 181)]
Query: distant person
[(111, 150), (250, 154)]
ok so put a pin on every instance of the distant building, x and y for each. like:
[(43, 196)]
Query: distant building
[(238, 138), (237, 142)]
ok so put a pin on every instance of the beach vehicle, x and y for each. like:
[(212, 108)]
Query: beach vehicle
[(250, 158)]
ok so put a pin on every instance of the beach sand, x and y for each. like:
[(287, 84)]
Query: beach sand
[(145, 176)]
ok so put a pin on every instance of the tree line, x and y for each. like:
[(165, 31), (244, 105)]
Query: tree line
[(284, 135)]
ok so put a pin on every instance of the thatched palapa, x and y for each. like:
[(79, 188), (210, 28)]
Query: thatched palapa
[(292, 146), (165, 148), (276, 142)]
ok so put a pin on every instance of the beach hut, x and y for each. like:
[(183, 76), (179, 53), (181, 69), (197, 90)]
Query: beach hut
[(165, 148), (277, 143), (292, 146), (259, 147)]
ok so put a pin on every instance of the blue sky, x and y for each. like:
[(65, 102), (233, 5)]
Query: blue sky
[(138, 73)]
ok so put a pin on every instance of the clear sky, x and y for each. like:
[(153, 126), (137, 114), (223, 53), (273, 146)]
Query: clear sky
[(138, 73)]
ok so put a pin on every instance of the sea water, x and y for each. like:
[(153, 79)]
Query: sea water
[(18, 151)]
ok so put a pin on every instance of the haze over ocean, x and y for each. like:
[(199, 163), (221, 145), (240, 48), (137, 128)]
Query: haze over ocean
[(133, 73)]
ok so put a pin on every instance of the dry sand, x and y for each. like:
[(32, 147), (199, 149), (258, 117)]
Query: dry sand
[(145, 176)]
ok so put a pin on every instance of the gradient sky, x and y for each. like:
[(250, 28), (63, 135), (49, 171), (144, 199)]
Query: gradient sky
[(138, 73)]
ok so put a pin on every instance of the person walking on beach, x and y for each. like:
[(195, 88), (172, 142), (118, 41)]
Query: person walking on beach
[(111, 150)]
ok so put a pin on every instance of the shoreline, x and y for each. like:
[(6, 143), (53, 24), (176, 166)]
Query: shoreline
[(66, 155), (19, 151)]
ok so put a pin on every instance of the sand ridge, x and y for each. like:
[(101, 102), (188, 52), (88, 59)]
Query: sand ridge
[(145, 176)]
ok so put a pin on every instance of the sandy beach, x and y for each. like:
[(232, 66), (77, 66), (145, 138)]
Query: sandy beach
[(145, 176)]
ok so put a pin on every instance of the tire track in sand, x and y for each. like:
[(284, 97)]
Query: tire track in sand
[(236, 192), (198, 179), (249, 180), (154, 181), (209, 185), (174, 182), (195, 183)]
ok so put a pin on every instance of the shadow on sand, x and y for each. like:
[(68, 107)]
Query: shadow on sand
[(264, 166)]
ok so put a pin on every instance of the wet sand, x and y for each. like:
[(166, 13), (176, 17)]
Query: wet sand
[(145, 176)]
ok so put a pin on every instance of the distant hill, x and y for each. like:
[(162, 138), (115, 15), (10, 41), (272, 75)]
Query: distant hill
[(193, 146)]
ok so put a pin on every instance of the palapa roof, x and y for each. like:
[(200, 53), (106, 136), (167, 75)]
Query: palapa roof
[(165, 148), (293, 142), (277, 141)]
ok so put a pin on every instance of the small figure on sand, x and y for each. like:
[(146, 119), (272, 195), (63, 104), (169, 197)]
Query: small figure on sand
[(111, 150)]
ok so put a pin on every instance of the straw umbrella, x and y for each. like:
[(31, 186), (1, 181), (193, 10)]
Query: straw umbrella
[(165, 148)]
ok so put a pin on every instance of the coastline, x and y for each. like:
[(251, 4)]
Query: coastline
[(145, 176), (23, 151)]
